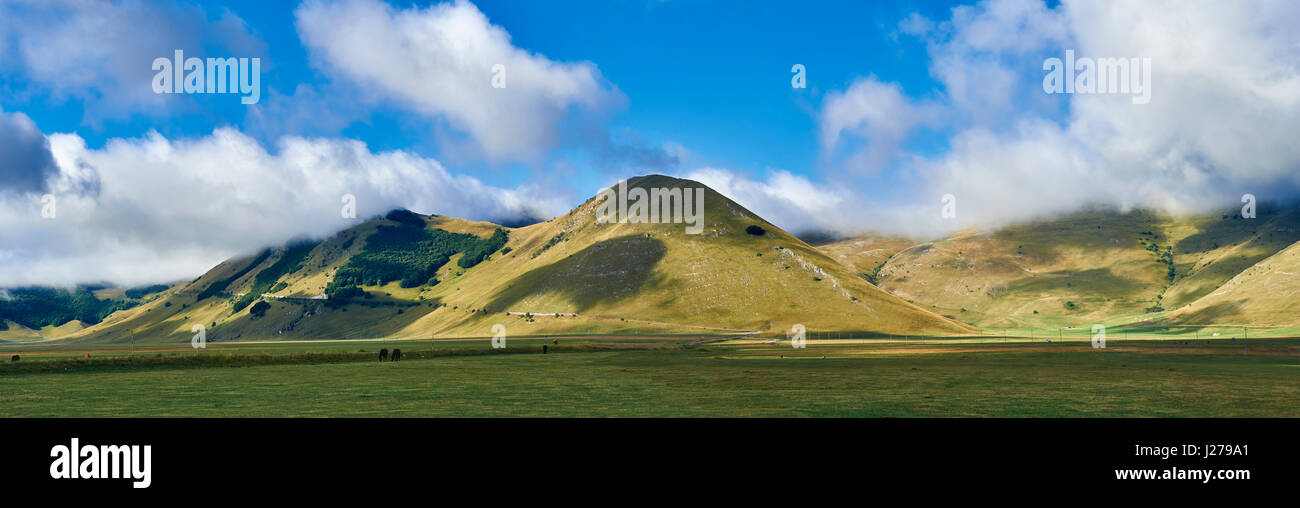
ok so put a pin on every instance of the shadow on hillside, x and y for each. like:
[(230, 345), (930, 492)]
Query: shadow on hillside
[(1213, 315), (1099, 282), (290, 319), (1234, 230), (606, 271)]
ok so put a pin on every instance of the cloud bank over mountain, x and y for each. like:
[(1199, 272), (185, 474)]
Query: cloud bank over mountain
[(154, 209), (1225, 104)]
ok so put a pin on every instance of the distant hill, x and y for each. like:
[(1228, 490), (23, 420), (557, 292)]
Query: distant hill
[(409, 275), (1089, 267), (26, 310)]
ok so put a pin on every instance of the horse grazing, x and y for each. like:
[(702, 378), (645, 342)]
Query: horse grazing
[(397, 354), (14, 358), (383, 354)]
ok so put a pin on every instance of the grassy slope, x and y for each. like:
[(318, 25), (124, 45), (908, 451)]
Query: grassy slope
[(866, 253), (616, 278), (1265, 294), (1098, 261)]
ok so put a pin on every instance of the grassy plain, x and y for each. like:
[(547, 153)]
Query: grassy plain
[(662, 377)]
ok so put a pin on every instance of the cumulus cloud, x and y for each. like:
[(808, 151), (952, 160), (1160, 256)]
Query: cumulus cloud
[(165, 209), (875, 112), (100, 52), (439, 61), (1225, 103), (988, 58), (25, 159), (790, 201)]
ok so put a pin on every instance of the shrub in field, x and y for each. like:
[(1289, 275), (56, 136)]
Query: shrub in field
[(550, 243)]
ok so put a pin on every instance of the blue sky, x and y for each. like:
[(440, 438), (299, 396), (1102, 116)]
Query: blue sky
[(713, 77), (392, 103)]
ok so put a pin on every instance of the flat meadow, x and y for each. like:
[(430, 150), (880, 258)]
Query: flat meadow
[(659, 377)]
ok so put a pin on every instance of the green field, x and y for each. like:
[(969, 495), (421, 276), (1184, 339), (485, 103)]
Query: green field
[(647, 377)]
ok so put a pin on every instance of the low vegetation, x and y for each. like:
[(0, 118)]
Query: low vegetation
[(410, 253), (143, 291), (289, 262), (550, 243)]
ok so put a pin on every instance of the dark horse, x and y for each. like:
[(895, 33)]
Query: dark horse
[(397, 354), (14, 358), (383, 354)]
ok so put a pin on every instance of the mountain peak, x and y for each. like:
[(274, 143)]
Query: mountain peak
[(454, 277)]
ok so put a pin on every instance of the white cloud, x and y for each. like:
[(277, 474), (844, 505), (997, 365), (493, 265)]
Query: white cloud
[(439, 61), (876, 112), (101, 52), (789, 201), (164, 209), (916, 24)]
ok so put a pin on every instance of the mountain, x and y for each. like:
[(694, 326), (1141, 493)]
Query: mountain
[(408, 276), (1087, 267)]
